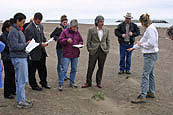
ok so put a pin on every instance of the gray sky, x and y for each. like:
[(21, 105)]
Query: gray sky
[(80, 9)]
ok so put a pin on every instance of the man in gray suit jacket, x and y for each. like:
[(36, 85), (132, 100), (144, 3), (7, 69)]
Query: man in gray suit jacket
[(37, 58), (98, 45)]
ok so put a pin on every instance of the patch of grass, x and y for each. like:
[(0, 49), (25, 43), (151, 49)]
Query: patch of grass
[(98, 96)]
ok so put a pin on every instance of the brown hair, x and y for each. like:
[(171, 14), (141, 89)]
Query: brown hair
[(64, 18), (5, 25), (146, 19)]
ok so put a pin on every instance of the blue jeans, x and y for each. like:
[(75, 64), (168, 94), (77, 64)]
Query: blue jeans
[(125, 56), (21, 70), (59, 65), (148, 76), (74, 63)]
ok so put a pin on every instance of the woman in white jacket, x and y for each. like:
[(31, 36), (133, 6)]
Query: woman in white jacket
[(149, 46)]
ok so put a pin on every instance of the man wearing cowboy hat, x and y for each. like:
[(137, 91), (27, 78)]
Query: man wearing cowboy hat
[(126, 33)]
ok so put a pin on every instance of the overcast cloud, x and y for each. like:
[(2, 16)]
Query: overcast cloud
[(53, 9)]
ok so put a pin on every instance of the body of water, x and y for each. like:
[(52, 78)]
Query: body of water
[(113, 22)]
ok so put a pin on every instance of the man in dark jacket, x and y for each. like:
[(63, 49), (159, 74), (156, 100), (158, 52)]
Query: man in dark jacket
[(56, 33), (126, 33), (26, 24), (37, 58)]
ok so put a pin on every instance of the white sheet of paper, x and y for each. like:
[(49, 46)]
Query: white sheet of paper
[(50, 40), (78, 46), (32, 44)]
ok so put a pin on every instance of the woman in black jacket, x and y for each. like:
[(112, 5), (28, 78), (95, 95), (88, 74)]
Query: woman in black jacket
[(9, 76)]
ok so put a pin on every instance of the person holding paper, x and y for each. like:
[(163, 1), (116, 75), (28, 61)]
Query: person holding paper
[(17, 43), (56, 33), (68, 38), (98, 45), (37, 58), (9, 73)]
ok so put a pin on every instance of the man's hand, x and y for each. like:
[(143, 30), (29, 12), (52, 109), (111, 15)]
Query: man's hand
[(28, 41), (123, 35), (130, 49), (43, 45), (130, 33), (69, 40)]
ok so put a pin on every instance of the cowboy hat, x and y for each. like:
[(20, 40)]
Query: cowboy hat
[(128, 15)]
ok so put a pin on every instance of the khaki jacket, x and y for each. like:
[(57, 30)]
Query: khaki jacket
[(93, 41)]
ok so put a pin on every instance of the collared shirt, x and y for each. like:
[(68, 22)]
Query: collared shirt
[(127, 38), (38, 28), (100, 33), (149, 40)]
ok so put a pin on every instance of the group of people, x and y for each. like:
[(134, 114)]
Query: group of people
[(17, 62), (16, 35)]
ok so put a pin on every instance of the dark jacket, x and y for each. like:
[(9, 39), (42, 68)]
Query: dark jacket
[(121, 29), (68, 50), (25, 25), (16, 42), (5, 55), (56, 33), (32, 32)]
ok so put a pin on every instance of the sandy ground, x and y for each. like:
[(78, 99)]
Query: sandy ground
[(118, 90)]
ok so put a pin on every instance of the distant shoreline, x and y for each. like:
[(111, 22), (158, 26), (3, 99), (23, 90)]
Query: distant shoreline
[(88, 24)]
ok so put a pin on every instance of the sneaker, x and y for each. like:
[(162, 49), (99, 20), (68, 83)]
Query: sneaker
[(24, 105), (150, 95), (60, 88), (139, 100), (73, 85), (121, 72), (28, 101)]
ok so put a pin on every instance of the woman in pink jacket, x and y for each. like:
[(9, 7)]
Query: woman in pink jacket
[(68, 38)]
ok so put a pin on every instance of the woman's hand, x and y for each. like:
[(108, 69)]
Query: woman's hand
[(130, 49), (28, 41), (69, 40), (139, 43)]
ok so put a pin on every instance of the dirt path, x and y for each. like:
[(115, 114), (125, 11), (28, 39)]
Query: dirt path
[(118, 89)]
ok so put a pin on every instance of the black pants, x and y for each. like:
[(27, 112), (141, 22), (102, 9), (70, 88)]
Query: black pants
[(9, 78), (99, 56), (42, 71)]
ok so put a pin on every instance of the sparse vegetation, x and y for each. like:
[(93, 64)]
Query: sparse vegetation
[(98, 96)]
